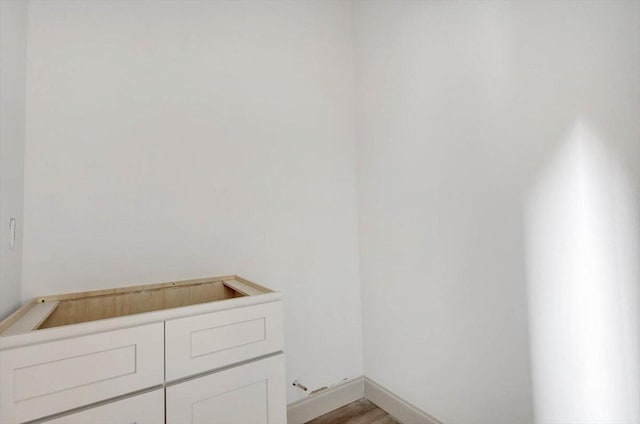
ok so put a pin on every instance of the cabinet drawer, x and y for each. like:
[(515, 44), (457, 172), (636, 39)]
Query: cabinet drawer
[(205, 342), (252, 393), (44, 379), (147, 408)]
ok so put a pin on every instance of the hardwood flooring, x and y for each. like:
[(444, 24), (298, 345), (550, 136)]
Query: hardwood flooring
[(359, 412)]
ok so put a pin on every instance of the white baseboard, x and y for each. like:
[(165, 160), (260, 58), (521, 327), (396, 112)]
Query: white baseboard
[(311, 407), (398, 408)]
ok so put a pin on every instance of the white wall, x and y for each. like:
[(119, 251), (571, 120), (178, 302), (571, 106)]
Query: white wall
[(580, 76), (462, 105), (13, 33), (171, 140)]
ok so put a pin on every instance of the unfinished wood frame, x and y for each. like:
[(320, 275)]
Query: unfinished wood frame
[(73, 308), (73, 356)]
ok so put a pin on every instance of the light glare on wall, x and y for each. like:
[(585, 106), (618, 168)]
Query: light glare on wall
[(582, 247)]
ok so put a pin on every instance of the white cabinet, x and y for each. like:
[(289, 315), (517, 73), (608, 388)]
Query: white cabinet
[(200, 343), (48, 378), (215, 344), (253, 393), (147, 408)]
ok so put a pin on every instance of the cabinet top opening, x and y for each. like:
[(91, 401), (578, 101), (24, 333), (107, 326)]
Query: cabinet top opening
[(75, 308)]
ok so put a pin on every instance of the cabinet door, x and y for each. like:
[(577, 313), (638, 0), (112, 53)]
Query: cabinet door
[(44, 379), (252, 393), (202, 343), (147, 408)]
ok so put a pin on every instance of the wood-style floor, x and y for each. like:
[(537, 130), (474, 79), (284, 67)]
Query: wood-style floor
[(359, 412)]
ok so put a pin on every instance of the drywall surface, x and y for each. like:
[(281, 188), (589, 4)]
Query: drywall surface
[(13, 47), (475, 303), (179, 139)]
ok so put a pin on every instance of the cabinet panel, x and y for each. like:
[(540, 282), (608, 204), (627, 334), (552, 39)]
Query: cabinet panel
[(205, 342), (48, 378), (253, 393), (147, 408)]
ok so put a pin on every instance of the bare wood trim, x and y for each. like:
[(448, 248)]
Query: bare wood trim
[(35, 316), (122, 290), (242, 287), (93, 308), (250, 283), (47, 311)]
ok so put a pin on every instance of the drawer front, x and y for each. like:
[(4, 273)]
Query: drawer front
[(253, 393), (47, 378), (147, 408), (204, 342)]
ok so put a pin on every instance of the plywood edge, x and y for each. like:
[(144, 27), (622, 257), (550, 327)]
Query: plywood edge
[(129, 289), (251, 284), (243, 288), (31, 319)]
